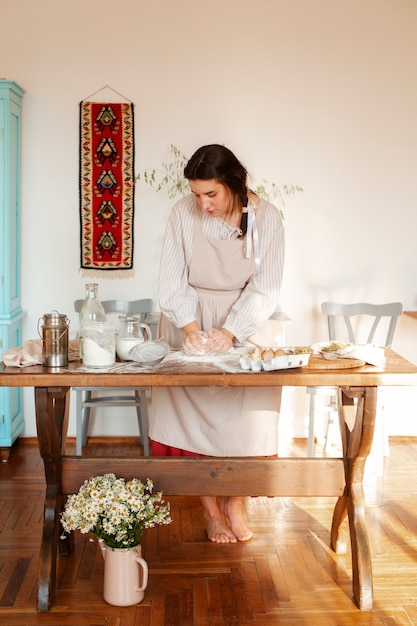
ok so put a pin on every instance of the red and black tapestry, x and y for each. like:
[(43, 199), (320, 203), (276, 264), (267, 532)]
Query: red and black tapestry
[(106, 185)]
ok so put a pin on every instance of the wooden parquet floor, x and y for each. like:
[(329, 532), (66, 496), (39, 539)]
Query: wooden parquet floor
[(286, 575)]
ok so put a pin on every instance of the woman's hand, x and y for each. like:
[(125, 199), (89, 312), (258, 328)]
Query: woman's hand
[(195, 342), (218, 340), (211, 341)]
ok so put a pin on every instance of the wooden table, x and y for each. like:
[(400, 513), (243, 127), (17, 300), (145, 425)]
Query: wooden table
[(340, 477)]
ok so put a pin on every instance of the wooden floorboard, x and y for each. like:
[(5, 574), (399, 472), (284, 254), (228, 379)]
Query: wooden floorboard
[(286, 575)]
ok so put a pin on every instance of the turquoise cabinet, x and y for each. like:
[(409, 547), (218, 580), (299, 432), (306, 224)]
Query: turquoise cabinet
[(11, 314)]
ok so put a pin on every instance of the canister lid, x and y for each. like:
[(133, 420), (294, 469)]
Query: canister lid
[(55, 318)]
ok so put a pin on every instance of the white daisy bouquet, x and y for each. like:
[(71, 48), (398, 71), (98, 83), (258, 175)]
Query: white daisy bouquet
[(114, 510)]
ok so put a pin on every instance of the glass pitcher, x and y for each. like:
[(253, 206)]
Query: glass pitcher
[(130, 335)]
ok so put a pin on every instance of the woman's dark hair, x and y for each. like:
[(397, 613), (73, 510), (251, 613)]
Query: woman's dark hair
[(218, 162)]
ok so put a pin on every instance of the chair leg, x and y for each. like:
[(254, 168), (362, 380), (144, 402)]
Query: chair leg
[(82, 421), (380, 446), (329, 421), (143, 423), (78, 424), (312, 415), (86, 425), (86, 417)]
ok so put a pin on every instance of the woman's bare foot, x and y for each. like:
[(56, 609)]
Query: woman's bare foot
[(232, 509), (214, 523)]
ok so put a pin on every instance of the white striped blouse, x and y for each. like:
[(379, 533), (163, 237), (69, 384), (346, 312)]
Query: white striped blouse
[(258, 300)]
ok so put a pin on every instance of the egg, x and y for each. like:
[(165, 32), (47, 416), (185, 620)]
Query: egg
[(256, 354), (268, 354), (280, 352)]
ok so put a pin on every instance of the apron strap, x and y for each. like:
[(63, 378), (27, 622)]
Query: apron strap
[(252, 237)]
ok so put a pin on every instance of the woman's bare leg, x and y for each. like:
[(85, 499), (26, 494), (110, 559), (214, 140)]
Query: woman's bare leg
[(232, 509), (216, 528)]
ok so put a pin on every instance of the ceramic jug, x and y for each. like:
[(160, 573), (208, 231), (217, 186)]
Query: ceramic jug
[(130, 335), (125, 575)]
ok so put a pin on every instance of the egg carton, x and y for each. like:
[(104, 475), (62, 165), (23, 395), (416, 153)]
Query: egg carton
[(284, 362)]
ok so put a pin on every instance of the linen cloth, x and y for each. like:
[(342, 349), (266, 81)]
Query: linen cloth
[(30, 353)]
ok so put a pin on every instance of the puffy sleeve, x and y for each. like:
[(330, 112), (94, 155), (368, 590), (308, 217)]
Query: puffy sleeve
[(260, 297), (177, 299)]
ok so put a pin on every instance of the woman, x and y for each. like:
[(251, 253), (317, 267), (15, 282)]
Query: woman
[(220, 277)]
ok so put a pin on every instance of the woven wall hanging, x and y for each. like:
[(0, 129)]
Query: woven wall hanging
[(106, 187)]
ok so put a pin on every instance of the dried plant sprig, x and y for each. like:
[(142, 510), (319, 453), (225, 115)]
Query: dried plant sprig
[(172, 178)]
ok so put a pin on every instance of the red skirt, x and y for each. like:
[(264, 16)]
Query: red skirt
[(160, 449)]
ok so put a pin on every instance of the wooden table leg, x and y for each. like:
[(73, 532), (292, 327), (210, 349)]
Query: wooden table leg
[(357, 442), (52, 408)]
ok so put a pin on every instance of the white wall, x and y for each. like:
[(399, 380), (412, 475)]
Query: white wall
[(321, 94)]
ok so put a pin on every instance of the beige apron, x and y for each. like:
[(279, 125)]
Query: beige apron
[(217, 421)]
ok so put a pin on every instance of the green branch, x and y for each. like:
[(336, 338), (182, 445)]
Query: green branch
[(171, 178)]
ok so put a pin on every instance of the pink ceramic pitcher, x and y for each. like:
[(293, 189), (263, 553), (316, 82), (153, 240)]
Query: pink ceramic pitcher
[(125, 575)]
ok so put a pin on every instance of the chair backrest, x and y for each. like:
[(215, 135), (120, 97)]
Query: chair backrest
[(131, 307), (392, 310)]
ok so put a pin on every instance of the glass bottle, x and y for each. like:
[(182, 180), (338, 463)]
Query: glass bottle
[(91, 311)]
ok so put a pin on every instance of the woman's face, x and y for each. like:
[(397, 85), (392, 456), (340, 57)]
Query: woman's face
[(213, 197)]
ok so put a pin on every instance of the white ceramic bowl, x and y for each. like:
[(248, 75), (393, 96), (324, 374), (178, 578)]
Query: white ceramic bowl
[(329, 356)]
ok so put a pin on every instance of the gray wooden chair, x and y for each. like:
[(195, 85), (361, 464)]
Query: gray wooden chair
[(341, 315), (88, 398)]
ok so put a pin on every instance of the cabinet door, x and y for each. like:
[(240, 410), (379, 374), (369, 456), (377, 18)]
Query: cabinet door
[(11, 314), (4, 194), (11, 409), (11, 422), (10, 203)]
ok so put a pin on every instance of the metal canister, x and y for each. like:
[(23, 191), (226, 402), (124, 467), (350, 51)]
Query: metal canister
[(54, 339)]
